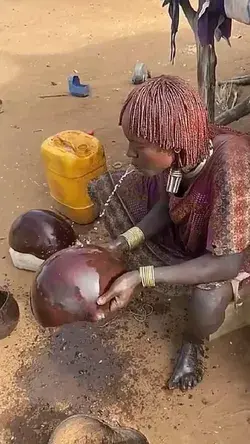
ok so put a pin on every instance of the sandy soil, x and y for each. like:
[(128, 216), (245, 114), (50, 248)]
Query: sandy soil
[(119, 372)]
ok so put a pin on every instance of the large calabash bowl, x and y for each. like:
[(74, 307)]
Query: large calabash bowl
[(36, 235), (67, 286), (83, 429)]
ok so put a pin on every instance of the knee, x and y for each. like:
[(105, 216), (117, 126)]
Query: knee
[(207, 309)]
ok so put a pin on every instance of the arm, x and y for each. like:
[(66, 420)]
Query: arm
[(154, 222), (205, 269)]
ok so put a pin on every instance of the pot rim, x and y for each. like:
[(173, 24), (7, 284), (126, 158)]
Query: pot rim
[(8, 296), (61, 424), (82, 415)]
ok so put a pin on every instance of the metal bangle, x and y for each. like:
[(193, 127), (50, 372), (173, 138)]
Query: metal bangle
[(147, 275), (134, 237)]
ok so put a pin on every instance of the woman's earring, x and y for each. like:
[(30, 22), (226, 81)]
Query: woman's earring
[(174, 181)]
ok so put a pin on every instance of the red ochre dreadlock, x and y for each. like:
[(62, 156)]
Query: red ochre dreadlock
[(167, 112)]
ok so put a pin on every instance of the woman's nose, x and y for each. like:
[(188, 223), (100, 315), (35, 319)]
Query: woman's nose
[(131, 152)]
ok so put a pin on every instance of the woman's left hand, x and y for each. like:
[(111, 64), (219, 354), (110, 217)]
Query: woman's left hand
[(120, 293)]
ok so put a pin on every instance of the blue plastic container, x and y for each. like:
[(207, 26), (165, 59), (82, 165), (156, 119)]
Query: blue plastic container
[(76, 88)]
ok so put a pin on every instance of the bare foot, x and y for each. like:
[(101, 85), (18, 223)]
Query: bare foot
[(188, 371)]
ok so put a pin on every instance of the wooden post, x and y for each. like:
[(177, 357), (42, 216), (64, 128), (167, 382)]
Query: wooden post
[(206, 61), (206, 77)]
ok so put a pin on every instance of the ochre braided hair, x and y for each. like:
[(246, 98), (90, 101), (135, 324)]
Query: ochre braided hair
[(167, 112)]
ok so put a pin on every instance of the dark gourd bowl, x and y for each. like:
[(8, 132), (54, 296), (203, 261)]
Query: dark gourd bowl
[(9, 314), (68, 284), (37, 234)]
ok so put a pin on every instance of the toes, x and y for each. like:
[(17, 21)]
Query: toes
[(184, 383), (187, 373), (188, 382), (174, 382), (199, 377), (195, 382)]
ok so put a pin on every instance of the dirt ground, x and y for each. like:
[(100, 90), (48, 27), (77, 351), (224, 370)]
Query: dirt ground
[(119, 372)]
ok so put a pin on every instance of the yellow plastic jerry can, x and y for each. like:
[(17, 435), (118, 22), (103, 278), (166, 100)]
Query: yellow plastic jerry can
[(72, 159)]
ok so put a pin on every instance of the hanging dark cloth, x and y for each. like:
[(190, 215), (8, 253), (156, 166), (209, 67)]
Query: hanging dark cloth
[(212, 23)]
